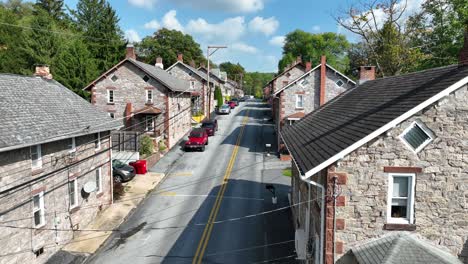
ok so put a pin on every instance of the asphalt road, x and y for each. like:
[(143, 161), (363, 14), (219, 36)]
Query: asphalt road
[(210, 208)]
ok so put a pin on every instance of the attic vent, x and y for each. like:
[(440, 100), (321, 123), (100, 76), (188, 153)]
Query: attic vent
[(114, 78), (416, 136), (304, 82), (339, 83), (190, 74), (39, 252), (146, 78)]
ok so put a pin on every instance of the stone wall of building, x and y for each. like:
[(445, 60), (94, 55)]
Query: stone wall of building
[(288, 77), (16, 207), (179, 117), (441, 192)]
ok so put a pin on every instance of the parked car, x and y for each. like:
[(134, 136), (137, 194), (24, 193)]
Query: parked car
[(122, 172), (231, 104), (198, 139), (211, 126), (224, 109), (236, 101)]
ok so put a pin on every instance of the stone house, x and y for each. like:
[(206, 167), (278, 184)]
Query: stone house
[(389, 155), (144, 98), (52, 144), (199, 88), (306, 93)]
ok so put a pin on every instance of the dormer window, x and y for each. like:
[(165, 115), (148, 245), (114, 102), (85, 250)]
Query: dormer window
[(146, 78), (339, 83), (417, 136)]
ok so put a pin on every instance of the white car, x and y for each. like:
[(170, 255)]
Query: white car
[(224, 109)]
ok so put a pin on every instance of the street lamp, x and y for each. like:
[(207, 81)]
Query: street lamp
[(214, 49)]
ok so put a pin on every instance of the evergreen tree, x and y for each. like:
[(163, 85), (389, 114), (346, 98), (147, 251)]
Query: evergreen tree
[(53, 7)]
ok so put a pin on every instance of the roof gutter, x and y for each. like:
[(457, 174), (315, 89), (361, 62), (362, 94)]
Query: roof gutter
[(322, 207)]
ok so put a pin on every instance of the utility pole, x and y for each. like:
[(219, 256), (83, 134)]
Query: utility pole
[(214, 48)]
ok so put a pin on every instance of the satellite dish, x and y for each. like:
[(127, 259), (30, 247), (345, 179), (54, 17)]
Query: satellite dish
[(89, 187)]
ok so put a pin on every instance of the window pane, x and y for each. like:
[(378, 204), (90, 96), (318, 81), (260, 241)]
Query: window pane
[(399, 208), (416, 136), (37, 218), (400, 186), (36, 201)]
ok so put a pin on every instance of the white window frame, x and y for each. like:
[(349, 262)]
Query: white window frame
[(73, 182), (147, 118), (293, 120), (38, 164), (72, 146), (98, 180), (297, 101), (149, 93), (111, 115), (109, 91), (423, 128), (410, 202), (98, 141), (40, 209), (192, 84)]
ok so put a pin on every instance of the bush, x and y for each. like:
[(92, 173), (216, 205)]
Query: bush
[(162, 146), (219, 97), (146, 146), (287, 172)]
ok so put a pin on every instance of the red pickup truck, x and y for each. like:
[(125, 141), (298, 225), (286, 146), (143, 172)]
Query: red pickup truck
[(198, 139)]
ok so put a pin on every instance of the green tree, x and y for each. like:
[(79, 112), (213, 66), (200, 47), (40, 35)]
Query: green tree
[(310, 47), (218, 97), (233, 70), (11, 54), (54, 8), (167, 44)]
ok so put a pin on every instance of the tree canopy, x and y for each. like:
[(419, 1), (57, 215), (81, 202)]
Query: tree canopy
[(233, 70)]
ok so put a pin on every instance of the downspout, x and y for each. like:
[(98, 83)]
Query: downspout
[(322, 207)]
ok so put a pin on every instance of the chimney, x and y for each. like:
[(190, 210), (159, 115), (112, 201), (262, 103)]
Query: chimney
[(180, 57), (43, 71), (308, 66), (298, 59), (128, 114), (323, 78), (130, 52), (463, 56), (159, 63), (366, 73)]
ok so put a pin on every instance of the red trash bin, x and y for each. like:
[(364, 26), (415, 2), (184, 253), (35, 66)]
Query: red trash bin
[(142, 166), (134, 165)]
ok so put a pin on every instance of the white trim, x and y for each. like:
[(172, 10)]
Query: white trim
[(293, 118), (98, 175), (410, 203), (75, 194), (424, 129), (302, 101), (98, 141), (41, 210), (386, 127), (73, 145), (39, 156), (147, 119), (148, 100)]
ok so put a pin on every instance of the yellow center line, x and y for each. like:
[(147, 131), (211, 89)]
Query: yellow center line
[(214, 211)]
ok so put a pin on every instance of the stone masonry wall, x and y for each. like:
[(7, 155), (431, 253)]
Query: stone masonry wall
[(179, 116), (290, 76), (441, 193), (19, 244)]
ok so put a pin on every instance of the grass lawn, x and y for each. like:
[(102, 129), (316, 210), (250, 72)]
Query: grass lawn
[(287, 172)]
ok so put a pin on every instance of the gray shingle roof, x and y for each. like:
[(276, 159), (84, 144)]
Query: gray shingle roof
[(401, 248), (360, 111), (161, 75), (197, 72), (34, 110)]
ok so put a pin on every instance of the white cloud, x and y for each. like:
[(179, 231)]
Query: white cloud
[(266, 26), (228, 30), (143, 3), (170, 21), (277, 41), (242, 47), (132, 36), (231, 6), (153, 24), (316, 28)]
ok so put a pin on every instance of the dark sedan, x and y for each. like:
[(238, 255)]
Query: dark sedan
[(122, 172), (211, 126)]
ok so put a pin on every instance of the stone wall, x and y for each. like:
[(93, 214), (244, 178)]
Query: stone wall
[(179, 117), (288, 77), (441, 196), (19, 244)]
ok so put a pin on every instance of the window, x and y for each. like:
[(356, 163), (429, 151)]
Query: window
[(416, 136), (192, 84), (149, 123), (36, 157), (98, 180), (149, 96), (339, 83), (110, 96), (114, 78), (38, 209), (73, 193), (97, 141), (111, 115), (400, 205), (299, 101), (304, 83), (145, 78), (71, 145), (292, 121)]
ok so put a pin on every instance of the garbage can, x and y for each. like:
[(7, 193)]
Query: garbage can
[(134, 165), (142, 166)]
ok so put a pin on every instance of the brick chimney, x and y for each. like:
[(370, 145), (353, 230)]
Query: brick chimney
[(366, 73), (180, 57), (308, 66), (128, 114), (298, 59), (130, 52), (463, 56), (323, 78), (43, 71), (159, 63)]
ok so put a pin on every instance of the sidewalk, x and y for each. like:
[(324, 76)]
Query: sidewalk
[(87, 242)]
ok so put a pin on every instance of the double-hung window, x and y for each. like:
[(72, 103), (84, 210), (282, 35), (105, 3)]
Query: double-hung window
[(36, 157), (149, 96), (73, 193), (98, 180), (38, 210), (400, 205), (110, 96), (149, 123), (299, 101)]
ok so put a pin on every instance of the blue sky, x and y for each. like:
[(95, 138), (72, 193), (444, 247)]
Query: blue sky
[(252, 29)]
